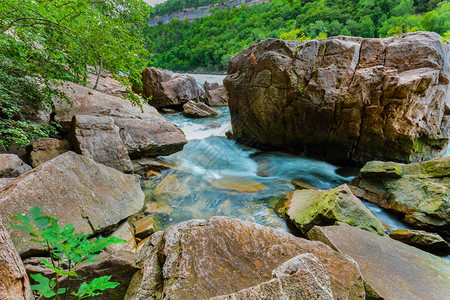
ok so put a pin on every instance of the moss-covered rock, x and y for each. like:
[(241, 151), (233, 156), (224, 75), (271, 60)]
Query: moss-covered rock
[(421, 192), (307, 208), (427, 241)]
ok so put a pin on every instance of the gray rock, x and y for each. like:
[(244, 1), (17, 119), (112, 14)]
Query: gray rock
[(391, 270), (12, 166), (75, 190), (344, 98), (144, 131), (4, 182), (198, 110), (99, 139), (215, 94), (169, 89)]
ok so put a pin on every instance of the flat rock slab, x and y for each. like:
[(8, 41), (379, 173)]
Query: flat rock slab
[(392, 269), (75, 190), (194, 109), (12, 166), (145, 132), (201, 259)]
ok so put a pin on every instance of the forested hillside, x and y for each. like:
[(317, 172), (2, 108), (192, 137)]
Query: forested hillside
[(209, 42), (171, 6)]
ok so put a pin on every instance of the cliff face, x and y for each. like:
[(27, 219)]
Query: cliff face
[(344, 98), (191, 14)]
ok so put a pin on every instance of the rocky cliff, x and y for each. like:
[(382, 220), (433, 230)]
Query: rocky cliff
[(344, 98)]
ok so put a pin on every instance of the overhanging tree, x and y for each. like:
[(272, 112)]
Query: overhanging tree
[(44, 42)]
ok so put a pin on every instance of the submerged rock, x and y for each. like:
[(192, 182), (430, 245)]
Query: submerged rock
[(418, 191), (144, 132), (75, 190), (215, 94), (237, 184), (164, 88), (201, 259), (426, 241), (14, 283), (99, 139), (307, 208), (194, 109), (12, 166), (302, 277), (344, 98), (43, 150), (391, 270)]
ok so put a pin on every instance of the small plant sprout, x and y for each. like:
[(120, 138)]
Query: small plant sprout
[(67, 250)]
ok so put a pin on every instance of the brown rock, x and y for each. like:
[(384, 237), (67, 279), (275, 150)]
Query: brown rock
[(391, 270), (194, 109), (201, 259), (14, 284), (75, 190), (107, 85), (215, 94), (302, 277), (143, 165), (144, 132), (238, 184), (119, 265), (426, 241), (12, 166), (4, 182), (145, 227), (344, 98), (167, 89), (99, 139), (158, 208), (125, 231), (43, 150)]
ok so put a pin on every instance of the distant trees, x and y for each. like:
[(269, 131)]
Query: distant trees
[(209, 42)]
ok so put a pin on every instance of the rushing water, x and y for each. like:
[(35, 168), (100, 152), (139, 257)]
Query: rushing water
[(217, 176)]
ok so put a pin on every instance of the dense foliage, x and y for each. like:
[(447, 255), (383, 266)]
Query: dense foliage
[(171, 6), (45, 42), (66, 250), (209, 42)]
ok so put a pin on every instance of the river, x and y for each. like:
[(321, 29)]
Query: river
[(217, 176)]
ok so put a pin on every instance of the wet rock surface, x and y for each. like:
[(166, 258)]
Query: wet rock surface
[(419, 192), (354, 99), (75, 190), (202, 259), (391, 269)]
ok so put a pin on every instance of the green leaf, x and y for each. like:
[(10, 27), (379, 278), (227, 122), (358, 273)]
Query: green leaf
[(43, 286), (91, 289)]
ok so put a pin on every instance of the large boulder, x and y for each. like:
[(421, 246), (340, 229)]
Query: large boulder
[(344, 98), (194, 109), (420, 192), (144, 131), (302, 277), (307, 208), (201, 259), (75, 190), (42, 150), (216, 95), (99, 139), (391, 269), (14, 284), (12, 166), (164, 88)]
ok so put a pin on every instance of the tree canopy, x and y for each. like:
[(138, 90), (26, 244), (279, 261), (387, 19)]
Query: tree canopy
[(45, 42)]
